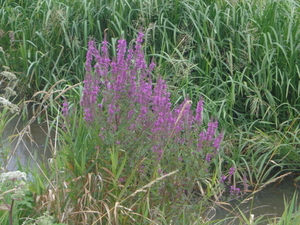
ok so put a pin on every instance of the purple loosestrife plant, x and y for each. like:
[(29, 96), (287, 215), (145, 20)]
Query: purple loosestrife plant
[(65, 108), (122, 103)]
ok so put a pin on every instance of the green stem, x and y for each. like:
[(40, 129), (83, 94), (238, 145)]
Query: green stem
[(11, 212)]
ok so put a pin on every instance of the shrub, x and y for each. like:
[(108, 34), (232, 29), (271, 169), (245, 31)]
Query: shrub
[(130, 110)]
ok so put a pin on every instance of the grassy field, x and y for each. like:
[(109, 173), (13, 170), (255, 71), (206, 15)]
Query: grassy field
[(159, 129)]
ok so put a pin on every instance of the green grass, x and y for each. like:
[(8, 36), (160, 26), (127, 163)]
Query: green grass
[(245, 51)]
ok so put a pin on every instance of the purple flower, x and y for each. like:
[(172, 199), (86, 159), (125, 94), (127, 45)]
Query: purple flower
[(208, 157), (234, 191), (199, 111), (119, 95), (223, 178), (161, 108), (231, 170), (91, 85), (65, 108), (211, 130), (217, 141), (230, 174)]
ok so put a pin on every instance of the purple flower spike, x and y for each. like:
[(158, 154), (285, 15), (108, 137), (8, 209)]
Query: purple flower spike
[(125, 103), (65, 108)]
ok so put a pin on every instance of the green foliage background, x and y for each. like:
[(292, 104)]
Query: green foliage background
[(242, 55)]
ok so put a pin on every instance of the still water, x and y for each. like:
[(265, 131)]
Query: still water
[(23, 144), (269, 202)]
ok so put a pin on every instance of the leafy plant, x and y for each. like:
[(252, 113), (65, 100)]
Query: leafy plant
[(13, 190)]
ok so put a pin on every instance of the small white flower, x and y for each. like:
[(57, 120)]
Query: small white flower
[(7, 104), (6, 68), (9, 75), (9, 91), (13, 175), (5, 101)]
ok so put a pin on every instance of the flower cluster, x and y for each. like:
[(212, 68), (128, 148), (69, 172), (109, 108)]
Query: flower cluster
[(7, 104), (11, 176), (119, 93), (13, 183), (234, 191)]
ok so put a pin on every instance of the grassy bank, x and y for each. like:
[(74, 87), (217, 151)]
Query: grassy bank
[(240, 55), (109, 167)]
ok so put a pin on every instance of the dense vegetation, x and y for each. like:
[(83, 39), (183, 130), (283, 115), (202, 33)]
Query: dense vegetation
[(223, 69)]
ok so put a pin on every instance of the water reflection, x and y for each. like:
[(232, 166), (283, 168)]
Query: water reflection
[(24, 144)]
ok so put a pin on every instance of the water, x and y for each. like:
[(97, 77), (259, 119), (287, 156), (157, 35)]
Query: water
[(24, 144), (269, 202)]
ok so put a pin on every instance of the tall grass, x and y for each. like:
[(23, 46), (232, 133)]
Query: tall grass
[(245, 51)]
